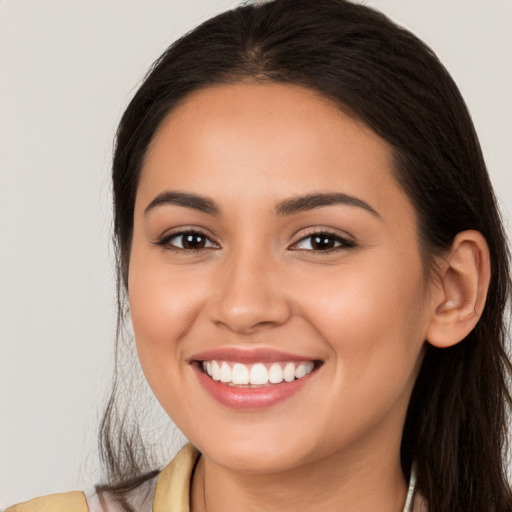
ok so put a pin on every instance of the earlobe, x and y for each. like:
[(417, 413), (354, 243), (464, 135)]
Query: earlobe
[(459, 296)]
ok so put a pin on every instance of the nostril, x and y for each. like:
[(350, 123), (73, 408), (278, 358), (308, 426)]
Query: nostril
[(253, 316)]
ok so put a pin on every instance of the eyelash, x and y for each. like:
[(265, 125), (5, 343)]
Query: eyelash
[(165, 242), (342, 243)]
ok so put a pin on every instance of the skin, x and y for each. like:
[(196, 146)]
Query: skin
[(363, 310)]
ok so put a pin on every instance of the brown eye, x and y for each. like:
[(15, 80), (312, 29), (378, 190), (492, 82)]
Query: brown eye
[(323, 241), (193, 241), (187, 241)]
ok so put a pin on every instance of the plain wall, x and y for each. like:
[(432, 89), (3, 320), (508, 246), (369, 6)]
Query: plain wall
[(67, 70)]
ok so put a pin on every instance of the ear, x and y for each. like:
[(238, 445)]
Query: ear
[(459, 295)]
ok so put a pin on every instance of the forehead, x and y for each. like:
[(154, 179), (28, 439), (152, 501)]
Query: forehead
[(273, 139)]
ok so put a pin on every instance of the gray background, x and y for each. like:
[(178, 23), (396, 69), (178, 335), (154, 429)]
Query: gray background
[(67, 70)]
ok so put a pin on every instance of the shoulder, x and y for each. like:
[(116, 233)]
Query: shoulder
[(64, 502), (169, 490)]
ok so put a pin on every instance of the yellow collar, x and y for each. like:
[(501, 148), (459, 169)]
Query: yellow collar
[(173, 485)]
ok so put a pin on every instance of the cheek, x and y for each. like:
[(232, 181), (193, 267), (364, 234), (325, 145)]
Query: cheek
[(163, 307), (160, 310), (370, 313), (161, 298)]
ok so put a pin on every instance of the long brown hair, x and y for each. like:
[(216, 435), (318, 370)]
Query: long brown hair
[(456, 426)]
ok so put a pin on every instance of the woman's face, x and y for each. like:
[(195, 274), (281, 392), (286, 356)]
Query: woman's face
[(273, 245)]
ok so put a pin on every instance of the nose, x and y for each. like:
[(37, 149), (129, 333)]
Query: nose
[(249, 295)]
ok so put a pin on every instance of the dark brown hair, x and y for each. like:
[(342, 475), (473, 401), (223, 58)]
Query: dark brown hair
[(456, 426)]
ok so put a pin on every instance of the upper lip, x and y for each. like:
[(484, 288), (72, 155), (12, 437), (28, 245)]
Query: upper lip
[(248, 356)]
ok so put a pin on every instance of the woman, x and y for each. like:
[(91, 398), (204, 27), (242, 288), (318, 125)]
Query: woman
[(316, 273)]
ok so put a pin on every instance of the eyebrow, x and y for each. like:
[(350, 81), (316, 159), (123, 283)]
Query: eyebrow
[(287, 207), (312, 201), (193, 201)]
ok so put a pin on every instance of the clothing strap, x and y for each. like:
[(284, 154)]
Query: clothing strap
[(409, 501)]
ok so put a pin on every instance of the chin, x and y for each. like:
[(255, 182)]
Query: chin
[(256, 454)]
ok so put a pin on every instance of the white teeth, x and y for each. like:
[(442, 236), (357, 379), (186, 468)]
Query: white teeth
[(258, 375), (303, 369), (215, 371), (289, 372), (225, 372), (240, 374), (300, 371), (275, 374)]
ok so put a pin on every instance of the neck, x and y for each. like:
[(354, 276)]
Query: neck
[(372, 480)]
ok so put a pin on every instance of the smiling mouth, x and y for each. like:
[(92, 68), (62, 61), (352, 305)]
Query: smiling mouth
[(256, 375)]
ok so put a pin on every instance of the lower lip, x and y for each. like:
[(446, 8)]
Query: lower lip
[(250, 398)]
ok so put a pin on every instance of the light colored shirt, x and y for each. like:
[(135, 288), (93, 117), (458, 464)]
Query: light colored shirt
[(169, 491)]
